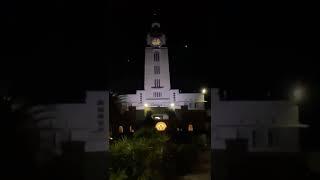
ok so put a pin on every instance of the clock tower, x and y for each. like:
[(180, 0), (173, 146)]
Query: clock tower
[(157, 90), (157, 76)]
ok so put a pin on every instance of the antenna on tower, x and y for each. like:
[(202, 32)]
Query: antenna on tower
[(156, 12), (155, 15)]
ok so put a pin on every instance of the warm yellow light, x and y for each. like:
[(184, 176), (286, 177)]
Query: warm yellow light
[(146, 105), (156, 42), (120, 129), (161, 126), (172, 104), (204, 91)]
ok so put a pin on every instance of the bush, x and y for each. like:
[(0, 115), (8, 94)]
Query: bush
[(150, 155), (119, 175), (139, 157)]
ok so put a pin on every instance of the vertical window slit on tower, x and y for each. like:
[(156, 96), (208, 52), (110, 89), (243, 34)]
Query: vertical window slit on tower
[(156, 56), (156, 69), (157, 83)]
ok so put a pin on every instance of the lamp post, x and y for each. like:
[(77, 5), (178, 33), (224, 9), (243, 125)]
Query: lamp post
[(299, 96)]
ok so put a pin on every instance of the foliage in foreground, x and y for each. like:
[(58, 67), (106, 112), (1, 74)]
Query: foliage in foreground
[(139, 157)]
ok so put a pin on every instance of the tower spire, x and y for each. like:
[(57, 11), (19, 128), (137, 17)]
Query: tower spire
[(155, 15)]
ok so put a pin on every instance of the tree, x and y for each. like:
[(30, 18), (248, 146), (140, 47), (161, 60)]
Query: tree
[(20, 119)]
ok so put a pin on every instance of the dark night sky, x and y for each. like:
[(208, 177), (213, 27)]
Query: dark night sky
[(83, 45), (57, 49), (64, 47)]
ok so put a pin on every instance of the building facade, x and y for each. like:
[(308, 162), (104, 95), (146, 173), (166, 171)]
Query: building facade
[(263, 125), (86, 122)]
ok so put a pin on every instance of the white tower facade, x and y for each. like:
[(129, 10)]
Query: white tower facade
[(157, 88), (157, 75)]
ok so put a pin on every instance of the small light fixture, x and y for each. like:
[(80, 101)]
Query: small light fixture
[(146, 105), (157, 117), (161, 126), (204, 91), (172, 104)]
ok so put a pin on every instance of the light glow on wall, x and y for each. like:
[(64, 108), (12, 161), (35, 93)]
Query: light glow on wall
[(299, 94)]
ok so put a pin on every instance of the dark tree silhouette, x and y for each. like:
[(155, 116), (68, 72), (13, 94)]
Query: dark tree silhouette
[(21, 135)]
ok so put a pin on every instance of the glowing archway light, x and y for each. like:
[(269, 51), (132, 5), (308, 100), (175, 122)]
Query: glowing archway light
[(161, 126), (172, 105)]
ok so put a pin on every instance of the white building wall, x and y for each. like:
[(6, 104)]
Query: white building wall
[(239, 119), (194, 101), (88, 122)]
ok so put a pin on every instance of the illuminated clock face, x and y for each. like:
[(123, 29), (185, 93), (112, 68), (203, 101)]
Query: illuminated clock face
[(156, 42), (161, 126)]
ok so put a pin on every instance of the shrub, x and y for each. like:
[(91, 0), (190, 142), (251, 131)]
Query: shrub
[(139, 157)]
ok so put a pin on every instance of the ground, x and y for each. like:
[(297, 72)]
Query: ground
[(203, 169)]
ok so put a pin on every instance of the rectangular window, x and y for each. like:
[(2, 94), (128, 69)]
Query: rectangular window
[(157, 94), (100, 116), (156, 56), (100, 109), (156, 69), (157, 83), (100, 123), (100, 102)]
